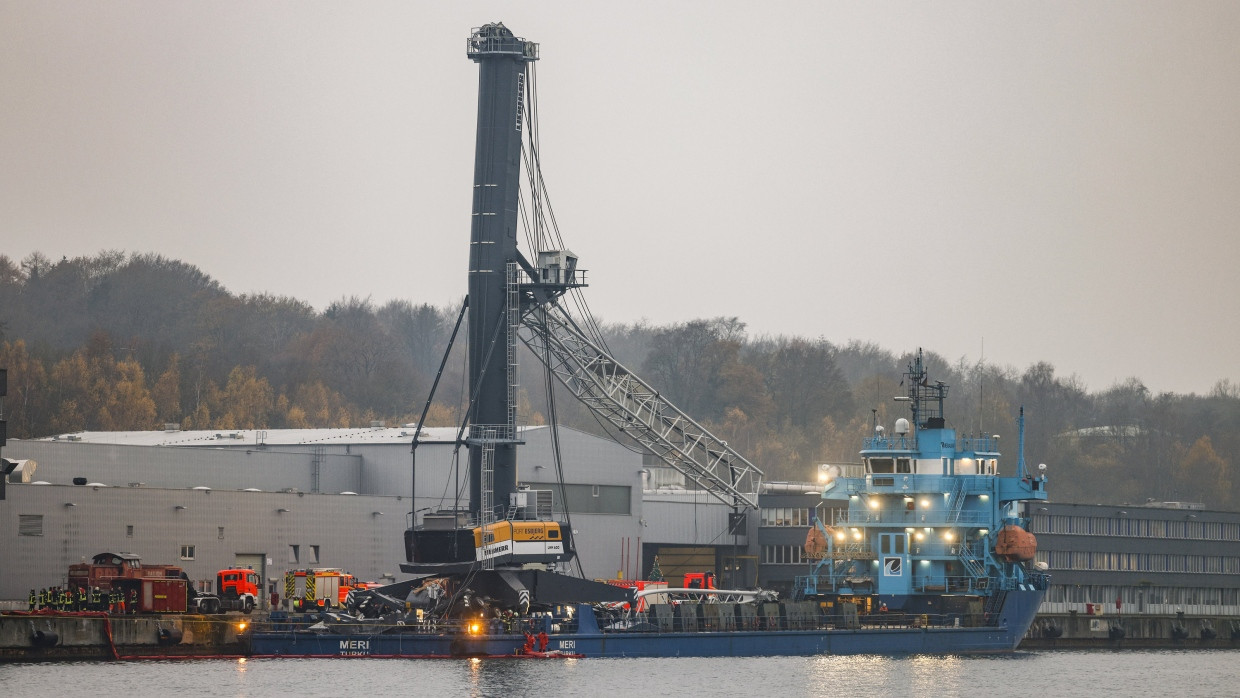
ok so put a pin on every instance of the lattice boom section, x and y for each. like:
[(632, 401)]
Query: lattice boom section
[(636, 409)]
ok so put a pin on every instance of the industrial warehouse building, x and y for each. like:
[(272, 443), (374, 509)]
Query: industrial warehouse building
[(291, 499)]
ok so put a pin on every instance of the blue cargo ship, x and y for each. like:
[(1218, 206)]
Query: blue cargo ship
[(924, 551)]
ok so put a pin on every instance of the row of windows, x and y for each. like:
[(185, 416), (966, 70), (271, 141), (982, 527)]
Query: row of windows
[(786, 516), (297, 554), (783, 555), (1139, 562), (1134, 597), (1138, 528), (32, 525)]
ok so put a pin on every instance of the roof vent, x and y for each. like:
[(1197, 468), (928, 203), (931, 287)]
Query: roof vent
[(171, 426)]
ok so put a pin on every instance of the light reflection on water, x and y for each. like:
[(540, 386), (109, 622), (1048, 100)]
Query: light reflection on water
[(1081, 673)]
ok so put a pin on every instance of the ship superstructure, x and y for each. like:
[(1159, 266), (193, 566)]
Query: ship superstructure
[(931, 526)]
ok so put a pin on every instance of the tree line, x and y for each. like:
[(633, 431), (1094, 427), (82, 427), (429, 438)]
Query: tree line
[(134, 342)]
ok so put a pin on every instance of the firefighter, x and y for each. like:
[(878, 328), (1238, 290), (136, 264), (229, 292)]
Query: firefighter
[(133, 601), (542, 640), (96, 599), (114, 600), (65, 598), (34, 600), (529, 644), (81, 599)]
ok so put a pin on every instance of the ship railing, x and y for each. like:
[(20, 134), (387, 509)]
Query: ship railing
[(984, 444), (912, 484), (914, 517), (954, 584), (890, 443), (284, 621), (808, 615), (942, 549)]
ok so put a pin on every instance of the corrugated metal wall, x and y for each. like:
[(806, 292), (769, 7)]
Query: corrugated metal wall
[(345, 528), (360, 533)]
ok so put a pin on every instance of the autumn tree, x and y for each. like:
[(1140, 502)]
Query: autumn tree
[(167, 391), (27, 404), (247, 400)]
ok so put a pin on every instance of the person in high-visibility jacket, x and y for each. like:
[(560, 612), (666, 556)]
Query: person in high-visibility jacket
[(34, 600), (96, 599), (81, 599)]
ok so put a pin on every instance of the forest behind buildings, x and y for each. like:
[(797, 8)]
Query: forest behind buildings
[(135, 342)]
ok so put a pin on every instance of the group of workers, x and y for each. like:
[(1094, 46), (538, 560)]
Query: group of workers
[(66, 598), (531, 640)]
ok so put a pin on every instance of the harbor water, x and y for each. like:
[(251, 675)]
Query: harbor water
[(1059, 673)]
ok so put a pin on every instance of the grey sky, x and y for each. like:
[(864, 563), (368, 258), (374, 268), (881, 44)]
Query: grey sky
[(1061, 180)]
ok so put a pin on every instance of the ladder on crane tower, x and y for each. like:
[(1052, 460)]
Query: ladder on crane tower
[(637, 410), (512, 299), (486, 513)]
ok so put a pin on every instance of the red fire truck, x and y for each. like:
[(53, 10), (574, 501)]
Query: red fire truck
[(146, 588)]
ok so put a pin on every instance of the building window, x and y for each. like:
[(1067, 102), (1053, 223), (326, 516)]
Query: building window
[(294, 553), (785, 516), (129, 531), (782, 555), (221, 534), (30, 525), (598, 499), (314, 555), (187, 552)]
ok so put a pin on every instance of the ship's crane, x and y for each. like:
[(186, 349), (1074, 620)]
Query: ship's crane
[(512, 298)]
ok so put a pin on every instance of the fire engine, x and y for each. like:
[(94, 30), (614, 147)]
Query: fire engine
[(147, 588), (317, 589), (237, 589)]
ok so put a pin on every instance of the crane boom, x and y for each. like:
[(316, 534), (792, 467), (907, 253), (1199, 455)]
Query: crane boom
[(637, 410)]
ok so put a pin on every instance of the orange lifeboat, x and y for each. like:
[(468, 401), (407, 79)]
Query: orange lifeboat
[(815, 543), (1015, 544)]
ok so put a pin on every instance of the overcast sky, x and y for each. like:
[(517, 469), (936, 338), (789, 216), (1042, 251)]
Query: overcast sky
[(1054, 181)]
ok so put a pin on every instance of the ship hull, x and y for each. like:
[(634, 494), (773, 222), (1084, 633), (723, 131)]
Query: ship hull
[(1013, 621)]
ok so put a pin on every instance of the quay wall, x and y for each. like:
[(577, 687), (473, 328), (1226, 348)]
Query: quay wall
[(1178, 630), (82, 636)]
